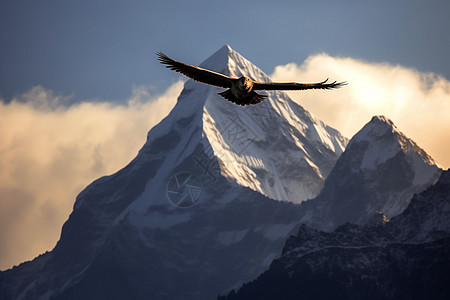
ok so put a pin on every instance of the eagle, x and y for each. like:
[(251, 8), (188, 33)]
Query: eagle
[(240, 90)]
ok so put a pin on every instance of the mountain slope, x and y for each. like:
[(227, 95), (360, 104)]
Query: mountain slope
[(193, 215), (380, 171), (406, 258)]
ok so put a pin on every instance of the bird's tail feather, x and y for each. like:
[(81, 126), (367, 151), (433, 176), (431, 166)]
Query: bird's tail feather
[(253, 98)]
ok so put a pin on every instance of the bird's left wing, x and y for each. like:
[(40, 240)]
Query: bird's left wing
[(297, 86), (195, 73)]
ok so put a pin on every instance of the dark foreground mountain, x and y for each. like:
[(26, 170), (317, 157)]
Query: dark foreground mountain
[(405, 258), (193, 215)]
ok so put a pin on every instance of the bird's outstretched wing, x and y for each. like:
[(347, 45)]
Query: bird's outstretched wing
[(195, 73), (297, 86)]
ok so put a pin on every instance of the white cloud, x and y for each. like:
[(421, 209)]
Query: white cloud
[(418, 103), (50, 151)]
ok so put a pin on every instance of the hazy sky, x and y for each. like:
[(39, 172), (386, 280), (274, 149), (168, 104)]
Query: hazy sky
[(100, 49), (80, 79)]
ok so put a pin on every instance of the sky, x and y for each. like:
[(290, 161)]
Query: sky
[(80, 85)]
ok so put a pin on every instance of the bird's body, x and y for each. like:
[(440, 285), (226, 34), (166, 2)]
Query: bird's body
[(239, 90)]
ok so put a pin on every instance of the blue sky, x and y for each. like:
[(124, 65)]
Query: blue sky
[(100, 49)]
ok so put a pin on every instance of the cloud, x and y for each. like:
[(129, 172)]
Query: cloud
[(418, 103), (50, 151)]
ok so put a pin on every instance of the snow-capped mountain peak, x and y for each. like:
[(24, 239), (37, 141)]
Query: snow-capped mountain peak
[(385, 141), (229, 62), (275, 148), (379, 171), (257, 145), (376, 128)]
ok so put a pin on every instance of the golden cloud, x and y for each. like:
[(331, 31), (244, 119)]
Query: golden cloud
[(418, 103), (49, 152)]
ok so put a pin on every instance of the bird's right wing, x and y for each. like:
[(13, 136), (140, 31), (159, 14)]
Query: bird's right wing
[(195, 73)]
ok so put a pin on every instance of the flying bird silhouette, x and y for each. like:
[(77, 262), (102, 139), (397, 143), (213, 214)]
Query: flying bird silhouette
[(239, 90)]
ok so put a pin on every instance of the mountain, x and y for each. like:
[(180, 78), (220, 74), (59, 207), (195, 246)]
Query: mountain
[(199, 211), (380, 171), (258, 145), (405, 258)]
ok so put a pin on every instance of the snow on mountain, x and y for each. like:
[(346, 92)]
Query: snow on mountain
[(260, 144), (193, 215), (381, 148), (380, 170), (257, 146), (405, 258)]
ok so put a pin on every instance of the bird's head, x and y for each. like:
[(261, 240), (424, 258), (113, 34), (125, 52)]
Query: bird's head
[(244, 83)]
